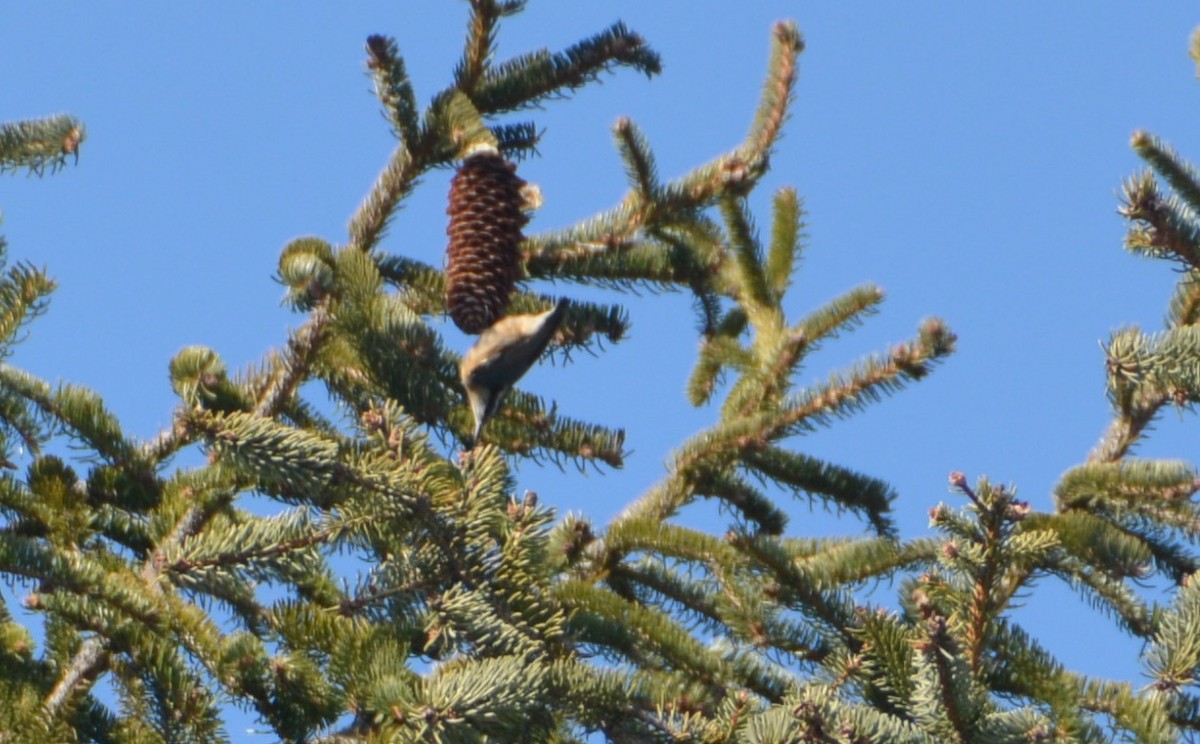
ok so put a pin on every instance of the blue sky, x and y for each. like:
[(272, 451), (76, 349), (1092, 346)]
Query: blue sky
[(965, 156)]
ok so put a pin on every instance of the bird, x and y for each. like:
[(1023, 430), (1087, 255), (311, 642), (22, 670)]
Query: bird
[(502, 355)]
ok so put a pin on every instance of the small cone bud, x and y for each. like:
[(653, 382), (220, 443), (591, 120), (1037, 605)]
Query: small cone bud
[(482, 260)]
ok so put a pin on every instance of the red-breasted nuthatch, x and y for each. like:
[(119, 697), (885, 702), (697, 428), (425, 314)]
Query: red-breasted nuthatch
[(502, 355)]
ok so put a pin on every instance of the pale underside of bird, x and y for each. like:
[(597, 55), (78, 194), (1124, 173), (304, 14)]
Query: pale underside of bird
[(502, 355)]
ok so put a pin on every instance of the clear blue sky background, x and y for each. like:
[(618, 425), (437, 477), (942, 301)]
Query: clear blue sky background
[(965, 156)]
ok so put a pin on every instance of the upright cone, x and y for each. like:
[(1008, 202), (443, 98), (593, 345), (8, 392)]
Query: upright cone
[(482, 259)]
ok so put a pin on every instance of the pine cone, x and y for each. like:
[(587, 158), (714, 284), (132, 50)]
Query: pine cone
[(485, 232)]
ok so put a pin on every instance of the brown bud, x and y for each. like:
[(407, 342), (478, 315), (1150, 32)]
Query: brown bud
[(1017, 510), (371, 419), (70, 143)]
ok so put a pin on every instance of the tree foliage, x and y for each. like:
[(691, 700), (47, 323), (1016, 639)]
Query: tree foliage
[(482, 615)]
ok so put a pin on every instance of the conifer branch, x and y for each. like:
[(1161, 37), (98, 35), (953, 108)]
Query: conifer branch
[(755, 432), (1128, 482), (531, 78), (1184, 712), (691, 597), (739, 171), (1143, 716), (1174, 655), (871, 497), (618, 702), (1143, 367), (669, 541), (78, 410), (525, 426), (480, 43), (89, 661), (765, 382), (463, 123), (1105, 593), (751, 281), (800, 589), (751, 503), (1096, 540), (938, 649), (1126, 429), (873, 377), (1164, 228), (289, 369), (717, 352), (995, 566), (40, 145), (252, 542), (787, 226), (643, 635), (640, 168), (606, 251), (850, 562), (394, 183), (1138, 388), (1032, 673), (516, 141), (24, 293), (1185, 302), (840, 314), (393, 87), (736, 173), (422, 287), (777, 92), (1182, 178)]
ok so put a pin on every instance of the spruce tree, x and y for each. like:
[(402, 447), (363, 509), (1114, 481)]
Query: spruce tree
[(482, 614)]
